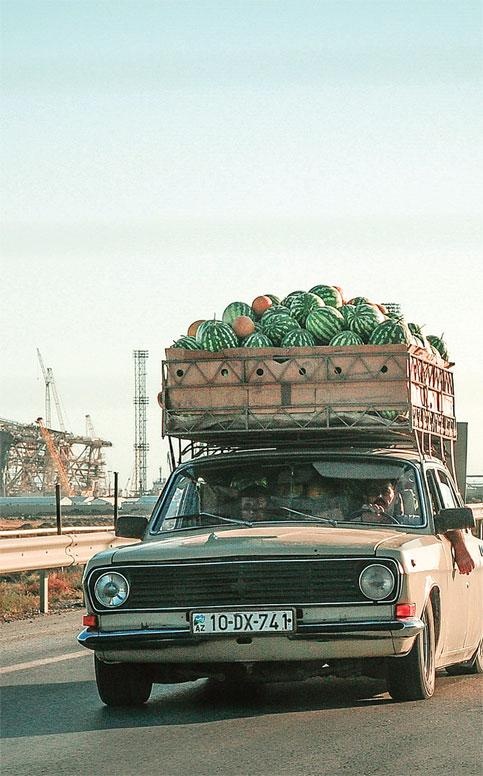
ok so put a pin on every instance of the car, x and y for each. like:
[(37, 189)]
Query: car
[(278, 564)]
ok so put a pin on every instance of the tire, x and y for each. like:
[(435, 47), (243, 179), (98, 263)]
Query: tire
[(412, 677), (473, 666), (122, 684)]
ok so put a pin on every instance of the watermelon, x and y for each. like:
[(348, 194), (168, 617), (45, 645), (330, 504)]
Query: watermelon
[(235, 309), (439, 344), (289, 296), (365, 320), (216, 335), (257, 340), (330, 295), (324, 324), (276, 309), (359, 300), (390, 332), (346, 338), (300, 305), (275, 299), (260, 305), (243, 326), (348, 312), (298, 338), (277, 326), (187, 342)]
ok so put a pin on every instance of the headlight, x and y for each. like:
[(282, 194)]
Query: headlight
[(111, 589), (376, 582)]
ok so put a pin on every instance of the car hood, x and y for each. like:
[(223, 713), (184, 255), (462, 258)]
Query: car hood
[(260, 541)]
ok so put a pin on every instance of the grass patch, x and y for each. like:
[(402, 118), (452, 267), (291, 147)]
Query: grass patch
[(20, 593)]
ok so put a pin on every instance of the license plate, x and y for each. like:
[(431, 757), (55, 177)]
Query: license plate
[(228, 622)]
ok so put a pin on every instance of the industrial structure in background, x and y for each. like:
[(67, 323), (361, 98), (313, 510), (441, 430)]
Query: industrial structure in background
[(35, 456), (139, 485)]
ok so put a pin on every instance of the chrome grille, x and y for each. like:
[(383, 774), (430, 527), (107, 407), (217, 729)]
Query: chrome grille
[(234, 583)]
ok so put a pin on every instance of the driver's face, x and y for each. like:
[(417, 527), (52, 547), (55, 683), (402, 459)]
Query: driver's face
[(252, 507), (381, 495)]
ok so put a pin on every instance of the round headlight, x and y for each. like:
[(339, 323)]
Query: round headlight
[(376, 581), (111, 589)]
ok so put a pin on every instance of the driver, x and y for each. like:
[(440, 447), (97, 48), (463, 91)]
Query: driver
[(254, 502), (381, 502)]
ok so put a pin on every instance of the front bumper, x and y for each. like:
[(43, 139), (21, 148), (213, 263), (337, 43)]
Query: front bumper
[(366, 638)]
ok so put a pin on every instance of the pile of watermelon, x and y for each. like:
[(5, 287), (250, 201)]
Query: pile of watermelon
[(319, 316)]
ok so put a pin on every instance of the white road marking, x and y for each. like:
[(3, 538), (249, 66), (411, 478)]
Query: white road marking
[(43, 662)]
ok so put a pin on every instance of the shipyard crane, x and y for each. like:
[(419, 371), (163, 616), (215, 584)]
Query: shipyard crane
[(55, 457), (50, 386)]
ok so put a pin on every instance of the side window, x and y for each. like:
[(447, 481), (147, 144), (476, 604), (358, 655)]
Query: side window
[(446, 490), (434, 497)]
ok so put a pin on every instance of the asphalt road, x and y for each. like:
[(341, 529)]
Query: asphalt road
[(54, 723)]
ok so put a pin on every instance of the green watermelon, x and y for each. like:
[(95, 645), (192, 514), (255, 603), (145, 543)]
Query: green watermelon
[(298, 338), (439, 344), (276, 309), (324, 324), (216, 335), (300, 305), (346, 338), (348, 311), (235, 309), (277, 326), (390, 332), (257, 340), (365, 320), (356, 300), (330, 295), (289, 296), (189, 343), (275, 299)]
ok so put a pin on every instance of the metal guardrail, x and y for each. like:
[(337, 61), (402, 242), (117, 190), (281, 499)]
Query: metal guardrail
[(54, 551), (9, 533)]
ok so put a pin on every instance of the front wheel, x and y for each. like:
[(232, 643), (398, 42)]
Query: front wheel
[(412, 677), (122, 684)]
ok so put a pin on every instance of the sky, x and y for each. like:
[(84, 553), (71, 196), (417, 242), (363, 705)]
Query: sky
[(162, 159)]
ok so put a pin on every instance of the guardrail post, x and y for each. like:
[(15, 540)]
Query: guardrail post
[(44, 590), (116, 500), (57, 508)]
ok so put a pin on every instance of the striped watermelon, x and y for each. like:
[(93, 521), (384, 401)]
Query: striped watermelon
[(289, 296), (390, 332), (235, 309), (216, 335), (348, 312), (346, 338), (356, 300), (298, 338), (277, 326), (187, 342), (330, 295), (300, 305), (324, 324), (439, 344), (365, 320), (276, 309), (257, 340), (275, 299)]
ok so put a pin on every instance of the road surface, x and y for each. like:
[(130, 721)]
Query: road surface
[(54, 723)]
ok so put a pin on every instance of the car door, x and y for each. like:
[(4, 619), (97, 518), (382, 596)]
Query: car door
[(455, 592)]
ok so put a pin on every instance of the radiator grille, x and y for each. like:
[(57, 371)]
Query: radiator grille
[(242, 583)]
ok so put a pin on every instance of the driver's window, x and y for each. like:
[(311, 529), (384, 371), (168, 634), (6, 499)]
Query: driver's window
[(447, 493)]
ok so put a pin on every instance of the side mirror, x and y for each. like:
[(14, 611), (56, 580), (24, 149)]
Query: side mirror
[(131, 526), (454, 519)]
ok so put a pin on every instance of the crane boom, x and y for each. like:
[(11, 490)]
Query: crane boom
[(50, 386), (55, 456)]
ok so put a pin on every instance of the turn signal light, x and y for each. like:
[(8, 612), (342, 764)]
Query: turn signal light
[(405, 610), (89, 620)]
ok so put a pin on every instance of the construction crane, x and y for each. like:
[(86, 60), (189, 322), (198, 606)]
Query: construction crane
[(55, 457), (90, 428), (50, 387)]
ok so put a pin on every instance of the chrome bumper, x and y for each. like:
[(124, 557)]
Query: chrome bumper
[(167, 637)]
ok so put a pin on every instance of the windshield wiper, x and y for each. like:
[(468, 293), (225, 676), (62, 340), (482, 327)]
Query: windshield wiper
[(223, 519), (312, 518)]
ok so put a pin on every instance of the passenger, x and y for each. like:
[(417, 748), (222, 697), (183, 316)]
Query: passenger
[(254, 503)]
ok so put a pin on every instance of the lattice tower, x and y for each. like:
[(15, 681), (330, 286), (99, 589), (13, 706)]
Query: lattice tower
[(141, 401)]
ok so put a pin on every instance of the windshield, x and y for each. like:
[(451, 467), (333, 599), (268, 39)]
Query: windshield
[(327, 492)]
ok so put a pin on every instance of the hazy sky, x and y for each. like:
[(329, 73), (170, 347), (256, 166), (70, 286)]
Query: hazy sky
[(162, 159)]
